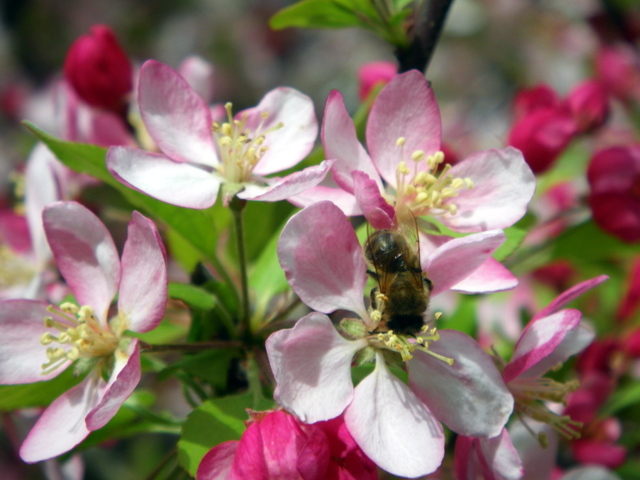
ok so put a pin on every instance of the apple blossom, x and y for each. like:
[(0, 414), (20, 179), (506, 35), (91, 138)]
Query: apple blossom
[(405, 165), (450, 379), (553, 335), (199, 155), (40, 340)]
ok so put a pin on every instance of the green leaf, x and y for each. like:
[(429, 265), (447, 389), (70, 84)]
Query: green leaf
[(212, 423), (195, 226), (193, 296), (316, 14), (212, 366), (39, 394), (624, 397), (515, 236)]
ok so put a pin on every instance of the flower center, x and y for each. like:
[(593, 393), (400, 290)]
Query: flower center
[(14, 270), (427, 189), (240, 148), (529, 395), (81, 336)]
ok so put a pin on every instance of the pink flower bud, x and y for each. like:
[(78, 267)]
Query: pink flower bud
[(588, 102), (618, 68), (542, 136), (534, 98), (614, 177), (99, 69), (372, 74)]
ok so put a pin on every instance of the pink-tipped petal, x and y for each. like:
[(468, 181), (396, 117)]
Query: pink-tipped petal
[(573, 342), (491, 276), (468, 396), (198, 73), (503, 186), (216, 464), (539, 339), (177, 119), (85, 254), (143, 287), (565, 297), (322, 259), (288, 186), (177, 183), (407, 108), (312, 366), (375, 208), (289, 144), (393, 427), (340, 142), (123, 380), (62, 425), (21, 353), (455, 260)]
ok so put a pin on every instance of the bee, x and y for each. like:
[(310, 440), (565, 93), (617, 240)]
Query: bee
[(402, 294)]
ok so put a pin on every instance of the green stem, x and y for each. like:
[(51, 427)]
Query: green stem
[(237, 207)]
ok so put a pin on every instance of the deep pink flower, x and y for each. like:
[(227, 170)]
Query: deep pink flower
[(396, 425), (99, 70), (278, 445), (544, 125), (614, 178), (87, 335), (273, 136), (372, 74)]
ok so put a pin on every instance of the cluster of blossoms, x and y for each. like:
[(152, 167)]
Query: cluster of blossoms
[(351, 395)]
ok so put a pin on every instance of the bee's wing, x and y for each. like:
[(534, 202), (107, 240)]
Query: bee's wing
[(408, 227)]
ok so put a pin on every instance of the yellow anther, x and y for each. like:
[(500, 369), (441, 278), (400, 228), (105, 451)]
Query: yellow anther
[(403, 169), (46, 338), (400, 141), (417, 156), (264, 115), (226, 130), (69, 307), (420, 178)]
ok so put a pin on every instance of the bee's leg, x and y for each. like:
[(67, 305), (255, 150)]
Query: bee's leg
[(373, 274), (374, 297)]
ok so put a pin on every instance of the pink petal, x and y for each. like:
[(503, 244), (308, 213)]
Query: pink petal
[(286, 187), (573, 342), (62, 425), (491, 276), (455, 260), (341, 199), (216, 464), (198, 73), (503, 187), (539, 339), (41, 189), (288, 145), (377, 211), (322, 259), (21, 353), (249, 460), (143, 287), (85, 254), (538, 462), (341, 143), (123, 380), (393, 427), (565, 297), (468, 396), (177, 119), (177, 183), (407, 108), (501, 457), (312, 366)]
